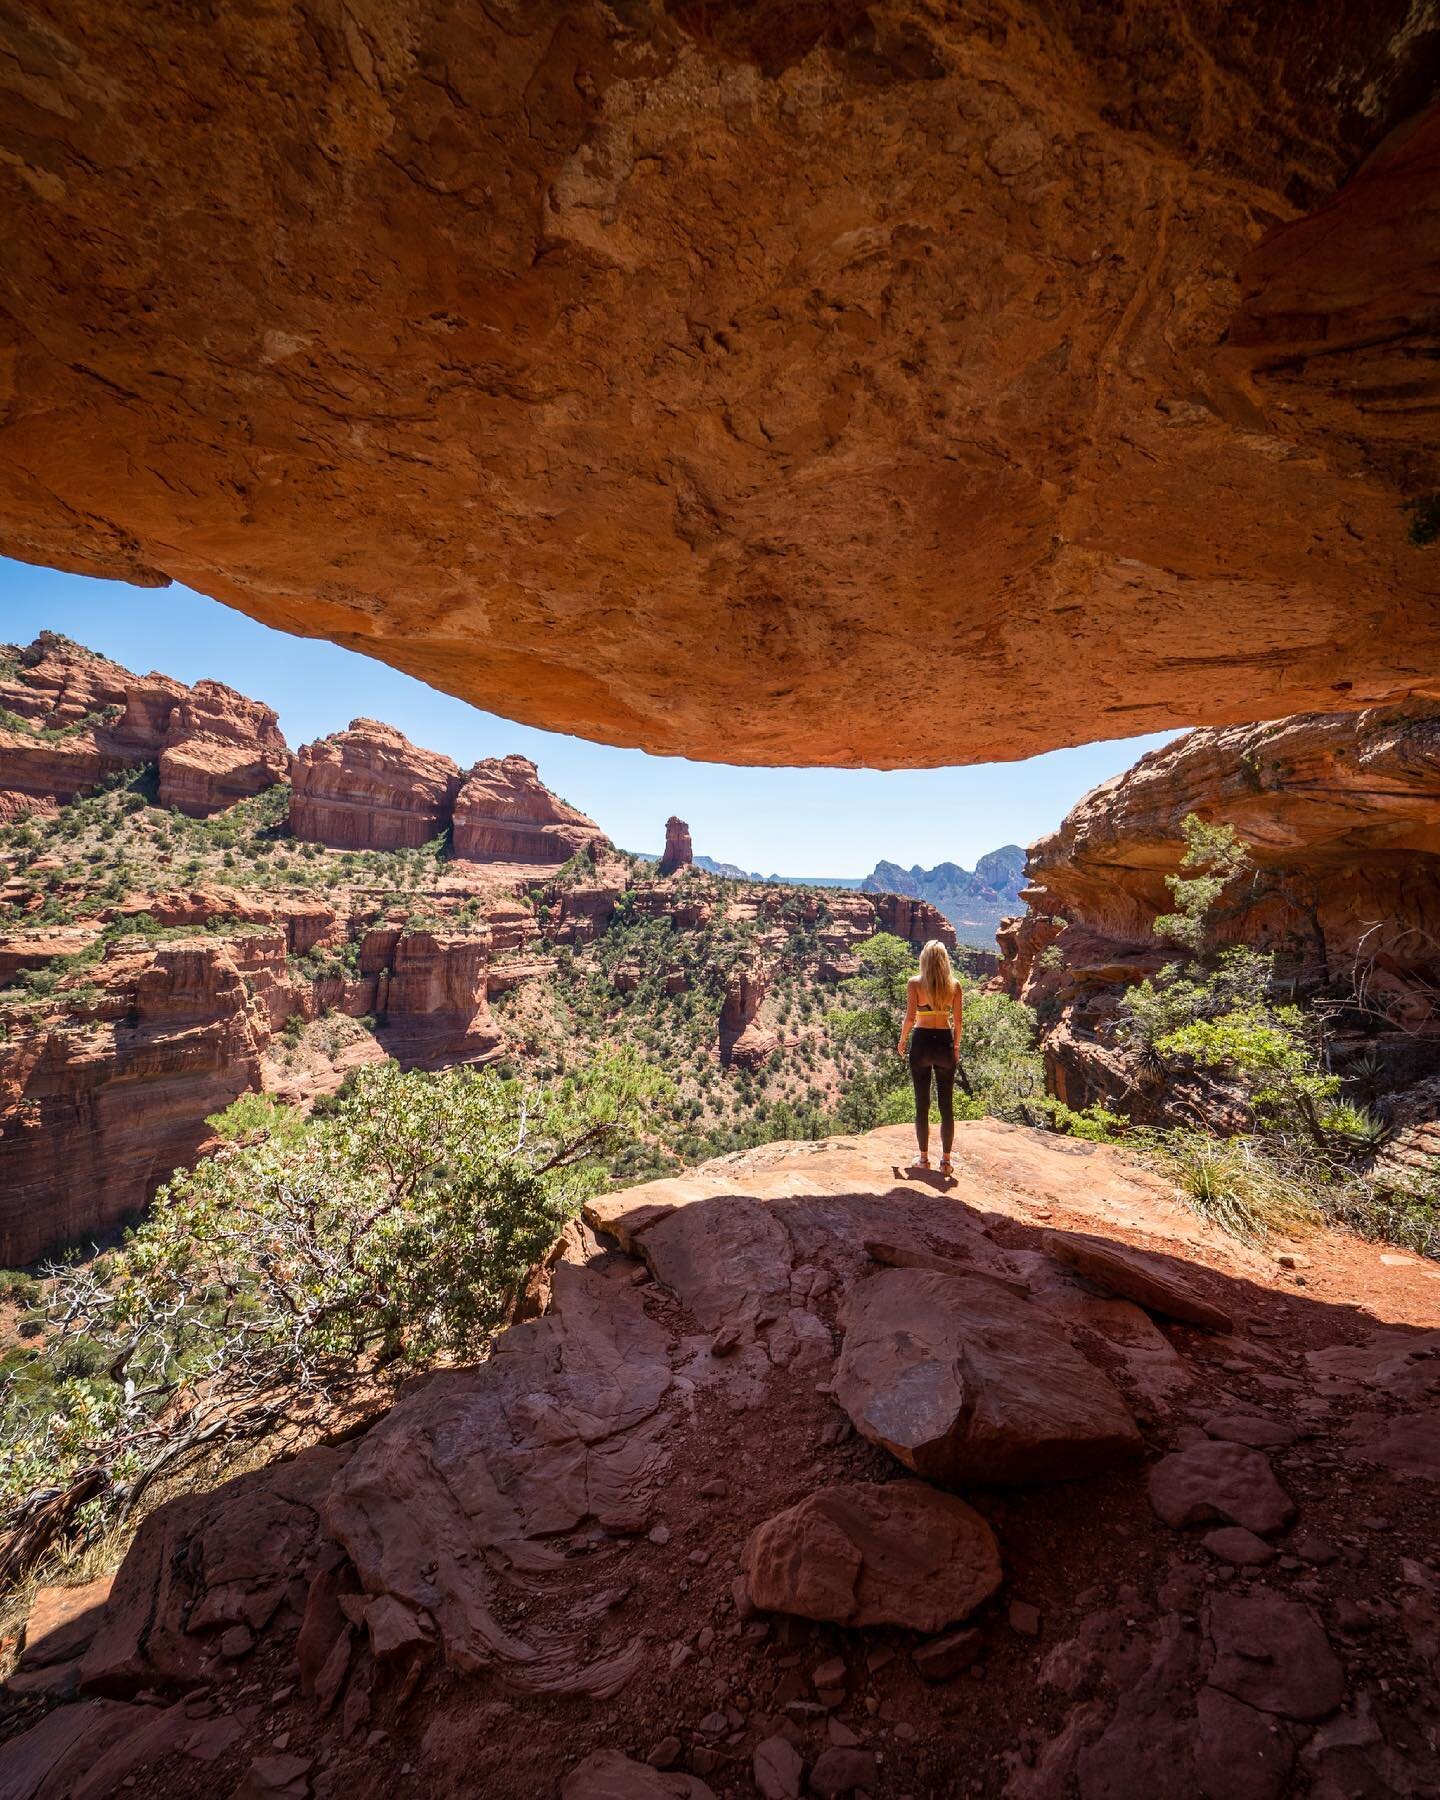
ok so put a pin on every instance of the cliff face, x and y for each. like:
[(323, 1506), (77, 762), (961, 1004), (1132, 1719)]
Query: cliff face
[(505, 813), (219, 748), (80, 718), (370, 788), (679, 852), (98, 1105), (105, 1083), (1340, 816), (921, 380)]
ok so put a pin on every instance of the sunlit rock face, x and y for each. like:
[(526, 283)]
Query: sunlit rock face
[(830, 384), (1340, 820), (370, 788)]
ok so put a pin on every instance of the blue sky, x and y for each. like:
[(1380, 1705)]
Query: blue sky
[(782, 821)]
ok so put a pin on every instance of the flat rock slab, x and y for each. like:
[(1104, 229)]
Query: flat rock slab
[(1249, 1428), (1241, 1548), (62, 1621), (476, 1472), (1274, 1655), (963, 1381), (897, 1553), (1218, 1480), (611, 1775), (1135, 1276), (1408, 1444)]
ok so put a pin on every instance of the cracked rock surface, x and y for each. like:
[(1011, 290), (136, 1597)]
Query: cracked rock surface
[(631, 367)]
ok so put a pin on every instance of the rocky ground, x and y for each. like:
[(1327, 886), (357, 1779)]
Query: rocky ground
[(820, 1477)]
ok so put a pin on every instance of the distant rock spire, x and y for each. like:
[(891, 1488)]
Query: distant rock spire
[(678, 851)]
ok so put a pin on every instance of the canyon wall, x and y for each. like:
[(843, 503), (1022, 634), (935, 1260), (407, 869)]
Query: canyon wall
[(370, 788), (1103, 350), (78, 718), (1340, 819), (505, 813), (105, 1084)]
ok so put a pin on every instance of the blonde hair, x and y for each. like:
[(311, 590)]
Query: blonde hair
[(937, 978)]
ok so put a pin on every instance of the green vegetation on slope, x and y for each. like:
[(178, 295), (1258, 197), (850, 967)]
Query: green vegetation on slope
[(310, 1257)]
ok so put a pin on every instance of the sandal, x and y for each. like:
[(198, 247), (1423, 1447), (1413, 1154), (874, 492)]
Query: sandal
[(946, 1166), (921, 1162)]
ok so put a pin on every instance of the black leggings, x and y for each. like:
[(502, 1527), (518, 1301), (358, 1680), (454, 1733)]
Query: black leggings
[(932, 1052)]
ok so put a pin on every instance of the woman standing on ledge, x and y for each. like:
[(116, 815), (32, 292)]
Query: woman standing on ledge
[(933, 1024)]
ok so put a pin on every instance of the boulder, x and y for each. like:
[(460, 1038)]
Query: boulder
[(1144, 1279), (862, 1554), (1220, 1480), (611, 1775), (778, 1769), (964, 1381)]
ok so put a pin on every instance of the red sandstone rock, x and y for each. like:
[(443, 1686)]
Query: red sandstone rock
[(1138, 1277), (95, 1118), (611, 1775), (865, 1554), (743, 1040), (505, 813), (963, 1381), (205, 1563), (485, 1492), (678, 852), (1340, 816), (370, 788), (917, 921), (1160, 483), (433, 997), (62, 1621), (213, 745), (1218, 1480), (1273, 1654), (219, 748)]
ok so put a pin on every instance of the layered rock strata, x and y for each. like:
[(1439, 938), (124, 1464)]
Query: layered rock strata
[(679, 853), (219, 748), (80, 718), (1340, 820), (596, 1521), (1023, 446), (370, 788), (505, 813), (105, 1088), (97, 1108)]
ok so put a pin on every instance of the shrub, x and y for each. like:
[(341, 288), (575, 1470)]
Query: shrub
[(1233, 1183), (399, 1225)]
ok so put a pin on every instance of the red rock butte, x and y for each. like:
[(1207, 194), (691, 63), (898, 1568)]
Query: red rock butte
[(669, 373)]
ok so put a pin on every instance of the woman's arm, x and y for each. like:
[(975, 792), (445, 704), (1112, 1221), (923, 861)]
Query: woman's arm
[(959, 1017), (909, 1015)]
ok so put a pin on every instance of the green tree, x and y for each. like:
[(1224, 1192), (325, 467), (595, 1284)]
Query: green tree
[(299, 1261), (1215, 857)]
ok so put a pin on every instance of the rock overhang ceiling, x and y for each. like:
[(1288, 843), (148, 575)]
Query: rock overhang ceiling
[(890, 384)]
